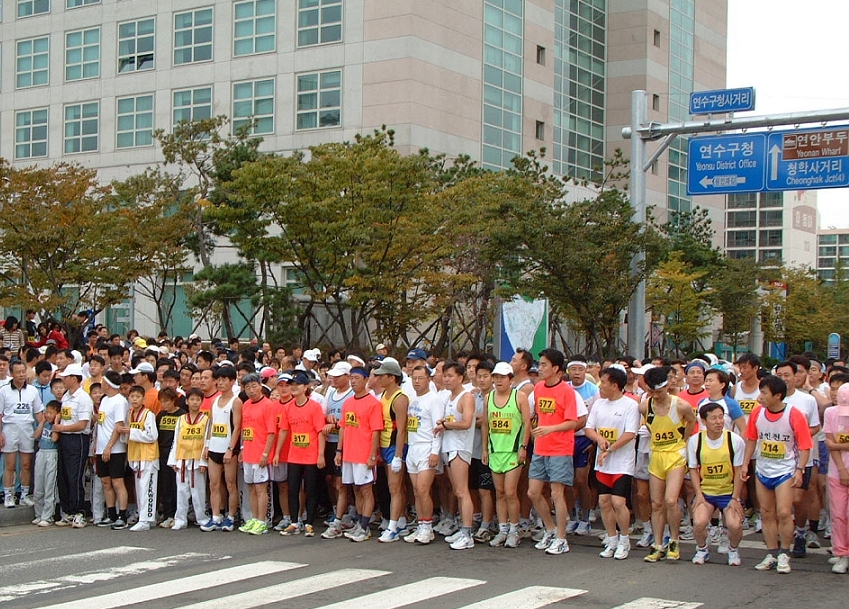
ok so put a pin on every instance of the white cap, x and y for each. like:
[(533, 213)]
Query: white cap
[(72, 370), (312, 355), (143, 367), (643, 369), (339, 369), (503, 369), (357, 360)]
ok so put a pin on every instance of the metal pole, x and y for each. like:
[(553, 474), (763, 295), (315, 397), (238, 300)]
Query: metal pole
[(637, 305)]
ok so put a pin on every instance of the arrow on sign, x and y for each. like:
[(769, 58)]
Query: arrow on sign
[(722, 181), (773, 153)]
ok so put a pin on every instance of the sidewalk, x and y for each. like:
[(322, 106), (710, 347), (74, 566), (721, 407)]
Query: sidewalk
[(21, 514)]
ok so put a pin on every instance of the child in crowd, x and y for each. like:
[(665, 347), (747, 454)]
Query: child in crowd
[(143, 457), (46, 466), (186, 459), (166, 423)]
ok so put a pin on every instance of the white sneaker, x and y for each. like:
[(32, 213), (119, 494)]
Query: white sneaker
[(453, 536), (463, 542), (758, 524), (812, 539), (687, 533), (783, 563), (841, 566), (623, 549), (833, 560), (583, 528), (701, 556), (179, 525), (724, 545), (410, 537), (482, 535), (499, 540), (384, 525), (610, 545), (450, 527), (389, 536), (358, 528), (714, 534), (140, 526), (9, 502), (767, 563), (425, 536), (646, 540), (513, 540), (545, 542), (558, 546), (28, 500), (734, 558), (571, 527), (167, 523), (78, 522), (592, 515), (36, 520)]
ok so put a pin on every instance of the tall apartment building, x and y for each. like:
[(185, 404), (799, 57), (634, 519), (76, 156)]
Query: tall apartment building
[(832, 253), (90, 80)]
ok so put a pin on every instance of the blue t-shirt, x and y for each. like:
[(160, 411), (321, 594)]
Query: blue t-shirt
[(44, 442)]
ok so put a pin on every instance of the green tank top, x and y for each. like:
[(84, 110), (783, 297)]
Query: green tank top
[(505, 424)]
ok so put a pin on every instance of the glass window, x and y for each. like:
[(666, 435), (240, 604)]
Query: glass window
[(31, 133), (770, 256), (254, 26), (741, 219), (82, 125), (26, 8), (771, 238), (319, 22), (82, 54), (827, 263), (828, 240), (136, 45), (253, 104), (193, 36), (32, 62), (742, 201), (772, 199), (844, 238), (76, 3), (772, 218), (135, 121), (828, 251), (738, 254), (741, 238), (319, 100), (192, 104)]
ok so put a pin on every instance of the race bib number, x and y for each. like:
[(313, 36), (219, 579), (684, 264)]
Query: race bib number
[(192, 432), (46, 433), (449, 418), (717, 471), (66, 413), (546, 405), (611, 434), (301, 440), (747, 406), (22, 408), (219, 430), (351, 419), (248, 434), (101, 418), (136, 425), (168, 423), (773, 450), (842, 438), (504, 426), (413, 424), (664, 438)]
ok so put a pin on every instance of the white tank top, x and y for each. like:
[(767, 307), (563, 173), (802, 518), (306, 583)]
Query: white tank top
[(222, 430), (747, 399), (457, 439), (776, 451)]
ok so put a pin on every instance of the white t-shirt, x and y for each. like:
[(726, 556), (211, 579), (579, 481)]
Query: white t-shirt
[(19, 406), (612, 419), (112, 410), (426, 410), (77, 407), (807, 405)]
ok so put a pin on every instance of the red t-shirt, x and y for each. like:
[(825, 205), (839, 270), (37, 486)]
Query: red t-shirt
[(258, 422), (304, 423), (206, 405), (280, 409), (555, 405), (361, 417), (693, 400)]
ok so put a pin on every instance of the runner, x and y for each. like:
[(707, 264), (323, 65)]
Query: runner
[(111, 451), (778, 435), (340, 390), (584, 455), (166, 423), (188, 461), (746, 393), (259, 429), (837, 442), (142, 456), (505, 437), (74, 431), (20, 411)]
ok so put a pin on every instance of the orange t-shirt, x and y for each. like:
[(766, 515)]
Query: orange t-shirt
[(280, 410), (304, 423), (361, 417), (555, 405), (258, 422), (151, 400), (206, 405)]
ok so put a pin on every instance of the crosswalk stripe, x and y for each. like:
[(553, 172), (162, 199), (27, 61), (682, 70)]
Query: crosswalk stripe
[(658, 603), (531, 597), (407, 594), (179, 586), (68, 581), (289, 590), (89, 557)]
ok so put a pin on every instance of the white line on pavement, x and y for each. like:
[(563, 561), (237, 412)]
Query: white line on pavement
[(408, 593), (531, 597)]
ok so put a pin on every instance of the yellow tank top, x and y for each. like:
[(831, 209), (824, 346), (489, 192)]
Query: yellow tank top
[(142, 451), (387, 436), (191, 437), (717, 467), (667, 431)]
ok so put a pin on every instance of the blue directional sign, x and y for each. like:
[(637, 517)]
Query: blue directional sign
[(722, 101), (724, 164), (808, 159)]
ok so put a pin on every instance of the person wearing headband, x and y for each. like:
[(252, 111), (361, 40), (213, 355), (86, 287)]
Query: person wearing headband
[(670, 421), (111, 451)]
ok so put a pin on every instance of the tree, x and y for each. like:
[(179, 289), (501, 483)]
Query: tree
[(735, 297), (222, 290), (691, 235), (805, 314), (673, 295)]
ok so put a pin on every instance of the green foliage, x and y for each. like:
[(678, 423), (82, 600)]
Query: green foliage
[(806, 313), (222, 290), (735, 297)]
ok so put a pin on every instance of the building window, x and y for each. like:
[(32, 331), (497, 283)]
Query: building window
[(827, 263), (770, 257), (82, 124), (192, 104), (31, 133), (136, 45), (135, 121), (828, 250), (657, 38), (741, 238), (739, 254), (254, 27), (655, 102), (33, 62), (82, 54), (27, 8), (772, 217), (741, 219), (253, 104), (319, 100), (540, 130), (193, 36), (76, 3), (319, 22), (828, 240), (772, 199), (742, 201), (540, 55), (771, 238)]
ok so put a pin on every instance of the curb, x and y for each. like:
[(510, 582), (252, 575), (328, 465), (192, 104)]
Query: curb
[(15, 516)]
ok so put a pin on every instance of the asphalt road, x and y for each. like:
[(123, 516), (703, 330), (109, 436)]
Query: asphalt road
[(99, 569)]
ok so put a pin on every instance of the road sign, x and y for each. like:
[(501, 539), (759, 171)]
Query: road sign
[(723, 100), (808, 159), (834, 345), (723, 164)]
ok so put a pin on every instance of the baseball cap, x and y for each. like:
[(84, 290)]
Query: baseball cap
[(643, 369), (140, 343), (284, 377), (503, 369), (312, 355), (143, 367), (355, 360), (389, 365), (417, 354), (300, 378), (339, 369), (380, 346), (73, 370), (268, 372)]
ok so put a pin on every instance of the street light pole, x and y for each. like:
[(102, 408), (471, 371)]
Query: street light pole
[(637, 304)]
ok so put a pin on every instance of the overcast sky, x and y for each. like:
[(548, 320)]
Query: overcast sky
[(796, 55)]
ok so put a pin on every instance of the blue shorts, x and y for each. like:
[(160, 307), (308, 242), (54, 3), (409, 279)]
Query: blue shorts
[(720, 502), (388, 453), (822, 466), (558, 469), (581, 456), (773, 483)]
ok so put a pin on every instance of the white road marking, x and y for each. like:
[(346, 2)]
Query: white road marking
[(531, 597), (658, 603), (407, 594)]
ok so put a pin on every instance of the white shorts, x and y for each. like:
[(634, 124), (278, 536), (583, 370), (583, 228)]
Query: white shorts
[(417, 459), (254, 474), (450, 456), (641, 470), (279, 473), (358, 474), (18, 438)]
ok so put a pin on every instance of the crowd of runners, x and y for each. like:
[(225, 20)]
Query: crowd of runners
[(125, 432)]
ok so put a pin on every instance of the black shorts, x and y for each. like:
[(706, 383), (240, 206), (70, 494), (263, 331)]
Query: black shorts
[(114, 468), (216, 457), (806, 477), (621, 486), (480, 476), (329, 459)]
